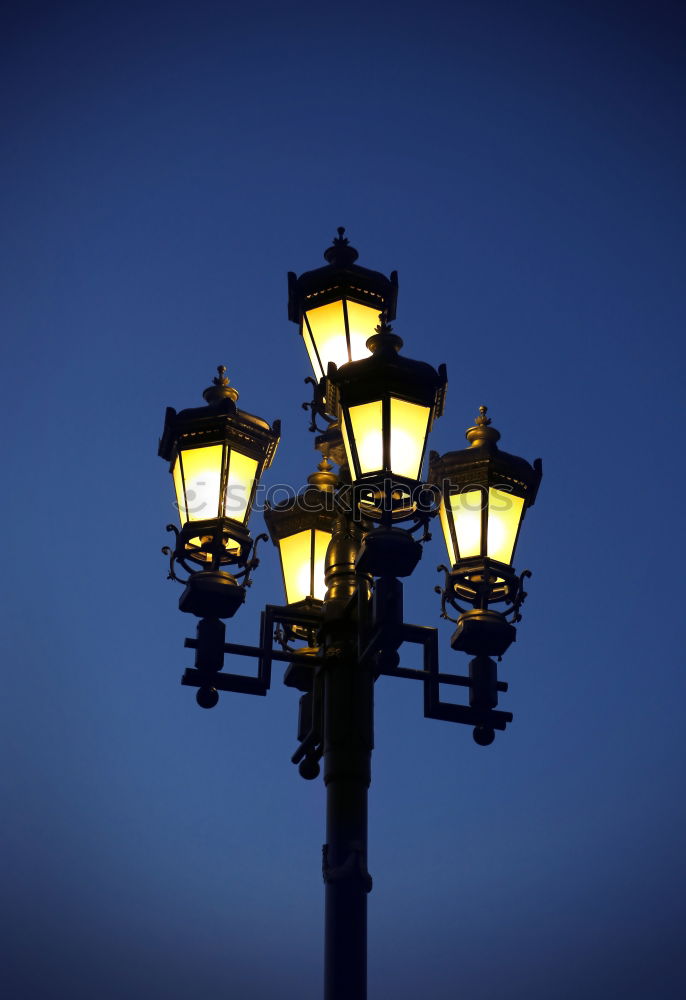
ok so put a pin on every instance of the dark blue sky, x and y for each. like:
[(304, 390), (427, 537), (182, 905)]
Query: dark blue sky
[(164, 165)]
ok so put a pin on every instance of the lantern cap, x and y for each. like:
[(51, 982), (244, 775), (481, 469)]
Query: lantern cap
[(340, 253), (384, 342), (482, 433), (313, 507), (210, 423), (341, 277), (220, 388), (325, 479), (484, 464), (387, 371)]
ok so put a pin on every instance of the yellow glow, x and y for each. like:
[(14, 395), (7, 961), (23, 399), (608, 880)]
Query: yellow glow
[(408, 433), (362, 322), (346, 442), (321, 544), (327, 324), (295, 552), (178, 486), (446, 533), (202, 469), (467, 516), (316, 367), (328, 329), (239, 484), (366, 426), (296, 560), (504, 515)]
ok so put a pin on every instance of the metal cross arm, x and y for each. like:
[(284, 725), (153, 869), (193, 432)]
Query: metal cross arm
[(482, 682), (209, 645)]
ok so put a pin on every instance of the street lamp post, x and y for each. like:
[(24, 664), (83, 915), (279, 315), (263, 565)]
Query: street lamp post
[(345, 543)]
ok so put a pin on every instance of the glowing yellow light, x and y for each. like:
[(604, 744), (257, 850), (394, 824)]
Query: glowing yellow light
[(327, 324), (298, 571), (296, 552), (504, 515), (178, 487), (202, 468), (239, 484), (408, 433), (321, 544), (366, 427), (466, 509), (447, 533), (362, 322), (346, 442)]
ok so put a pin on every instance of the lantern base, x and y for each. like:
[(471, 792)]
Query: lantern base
[(388, 552), (483, 633), (212, 594)]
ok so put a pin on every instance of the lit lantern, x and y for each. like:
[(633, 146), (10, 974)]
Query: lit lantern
[(301, 528), (217, 454), (484, 495), (386, 406), (337, 306)]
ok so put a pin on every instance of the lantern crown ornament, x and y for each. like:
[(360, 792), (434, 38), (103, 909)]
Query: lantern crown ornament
[(386, 404), (217, 454), (336, 306)]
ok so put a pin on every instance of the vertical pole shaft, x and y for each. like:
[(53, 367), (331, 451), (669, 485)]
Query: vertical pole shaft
[(348, 736), (348, 706)]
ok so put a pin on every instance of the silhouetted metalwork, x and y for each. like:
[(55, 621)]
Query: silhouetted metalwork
[(343, 554)]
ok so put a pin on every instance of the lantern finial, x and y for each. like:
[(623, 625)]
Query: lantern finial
[(384, 340), (220, 388), (340, 253), (324, 478), (482, 433)]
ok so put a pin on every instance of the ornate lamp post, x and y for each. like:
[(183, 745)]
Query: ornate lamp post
[(344, 543)]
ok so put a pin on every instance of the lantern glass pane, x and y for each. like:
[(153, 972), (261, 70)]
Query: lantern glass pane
[(178, 488), (346, 442), (466, 509), (239, 484), (296, 560), (316, 367), (362, 322), (327, 324), (409, 423), (447, 534), (202, 472), (504, 514), (321, 544), (366, 420)]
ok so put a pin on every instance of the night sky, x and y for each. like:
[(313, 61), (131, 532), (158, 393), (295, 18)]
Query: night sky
[(521, 164)]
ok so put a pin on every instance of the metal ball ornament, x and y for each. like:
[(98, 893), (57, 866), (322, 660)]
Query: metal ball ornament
[(483, 736), (207, 697), (309, 768)]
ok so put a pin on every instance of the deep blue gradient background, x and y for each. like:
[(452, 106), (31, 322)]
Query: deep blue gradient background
[(164, 165)]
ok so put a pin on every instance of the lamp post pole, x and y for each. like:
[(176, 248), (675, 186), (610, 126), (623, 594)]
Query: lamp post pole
[(348, 709)]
